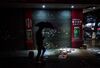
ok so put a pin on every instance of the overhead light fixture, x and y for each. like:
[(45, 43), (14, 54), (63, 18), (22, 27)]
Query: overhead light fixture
[(94, 7), (72, 6), (43, 6)]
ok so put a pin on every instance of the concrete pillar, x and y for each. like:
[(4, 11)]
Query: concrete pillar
[(29, 34), (76, 28)]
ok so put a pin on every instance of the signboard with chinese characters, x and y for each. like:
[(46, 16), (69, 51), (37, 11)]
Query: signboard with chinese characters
[(76, 22)]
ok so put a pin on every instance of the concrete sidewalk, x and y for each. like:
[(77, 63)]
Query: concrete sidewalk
[(52, 53), (77, 58)]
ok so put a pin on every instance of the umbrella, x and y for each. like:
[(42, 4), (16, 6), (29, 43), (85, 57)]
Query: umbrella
[(45, 25)]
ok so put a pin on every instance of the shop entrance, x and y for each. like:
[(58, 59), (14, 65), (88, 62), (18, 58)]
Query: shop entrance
[(90, 31), (60, 36)]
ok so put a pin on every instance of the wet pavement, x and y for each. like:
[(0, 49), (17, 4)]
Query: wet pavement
[(75, 59)]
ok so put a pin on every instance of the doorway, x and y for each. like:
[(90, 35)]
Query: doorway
[(60, 37)]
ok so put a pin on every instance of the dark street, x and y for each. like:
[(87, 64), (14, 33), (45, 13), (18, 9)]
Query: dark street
[(81, 59)]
